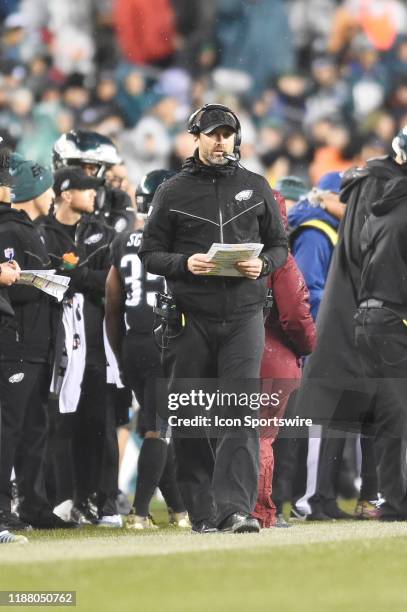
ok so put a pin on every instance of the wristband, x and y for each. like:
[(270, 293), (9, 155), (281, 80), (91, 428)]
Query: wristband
[(264, 265)]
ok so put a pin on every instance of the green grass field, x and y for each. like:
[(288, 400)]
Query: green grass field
[(342, 567)]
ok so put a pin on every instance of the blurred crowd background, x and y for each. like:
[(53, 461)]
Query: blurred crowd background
[(319, 85)]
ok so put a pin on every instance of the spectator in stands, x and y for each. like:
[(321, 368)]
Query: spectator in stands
[(146, 31), (254, 36)]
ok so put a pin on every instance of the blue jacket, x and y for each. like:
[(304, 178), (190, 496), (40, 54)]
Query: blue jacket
[(312, 247)]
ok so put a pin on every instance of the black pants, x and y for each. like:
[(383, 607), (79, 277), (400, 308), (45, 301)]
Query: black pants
[(216, 477), (24, 429), (89, 436), (142, 368), (109, 473), (95, 445), (59, 456), (381, 340)]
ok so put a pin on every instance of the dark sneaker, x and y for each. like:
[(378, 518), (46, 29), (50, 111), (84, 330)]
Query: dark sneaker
[(388, 513), (238, 522), (84, 514), (9, 520), (203, 527), (281, 523), (332, 510), (10, 538), (49, 520), (392, 518)]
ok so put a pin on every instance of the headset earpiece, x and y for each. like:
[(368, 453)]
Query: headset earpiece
[(193, 125)]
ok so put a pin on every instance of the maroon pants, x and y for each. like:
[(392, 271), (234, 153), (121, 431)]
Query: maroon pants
[(280, 373)]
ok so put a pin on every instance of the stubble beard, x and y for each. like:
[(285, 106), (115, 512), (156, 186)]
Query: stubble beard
[(216, 160)]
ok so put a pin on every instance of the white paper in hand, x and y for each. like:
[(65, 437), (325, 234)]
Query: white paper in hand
[(46, 281), (227, 255)]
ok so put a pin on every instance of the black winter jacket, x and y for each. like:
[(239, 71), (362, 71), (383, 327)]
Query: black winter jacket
[(206, 204), (28, 335), (361, 187), (384, 248), (91, 245)]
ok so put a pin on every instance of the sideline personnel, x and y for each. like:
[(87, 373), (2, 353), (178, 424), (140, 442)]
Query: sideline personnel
[(129, 305), (24, 353), (381, 339), (9, 274), (214, 199)]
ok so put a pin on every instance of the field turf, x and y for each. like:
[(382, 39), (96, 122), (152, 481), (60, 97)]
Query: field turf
[(343, 567)]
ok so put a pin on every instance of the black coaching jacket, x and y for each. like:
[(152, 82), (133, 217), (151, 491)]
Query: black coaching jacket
[(383, 241), (90, 242), (206, 204), (27, 335)]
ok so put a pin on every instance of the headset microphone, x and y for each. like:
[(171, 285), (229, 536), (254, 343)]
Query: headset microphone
[(230, 157)]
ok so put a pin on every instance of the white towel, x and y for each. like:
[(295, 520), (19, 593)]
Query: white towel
[(70, 362), (112, 367)]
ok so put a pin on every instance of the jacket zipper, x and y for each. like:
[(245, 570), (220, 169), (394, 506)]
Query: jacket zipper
[(225, 303), (220, 210)]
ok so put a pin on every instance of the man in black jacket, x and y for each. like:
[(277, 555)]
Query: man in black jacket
[(24, 353), (330, 389), (381, 338), (220, 331), (9, 274), (78, 244)]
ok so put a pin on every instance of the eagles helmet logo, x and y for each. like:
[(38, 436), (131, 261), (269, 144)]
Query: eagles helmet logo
[(120, 225), (244, 195)]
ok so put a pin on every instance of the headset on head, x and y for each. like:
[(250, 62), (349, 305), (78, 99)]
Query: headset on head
[(194, 122)]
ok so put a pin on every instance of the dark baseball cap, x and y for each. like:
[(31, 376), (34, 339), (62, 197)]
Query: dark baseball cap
[(74, 177), (213, 119)]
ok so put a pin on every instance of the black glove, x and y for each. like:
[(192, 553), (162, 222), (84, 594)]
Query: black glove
[(78, 277)]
